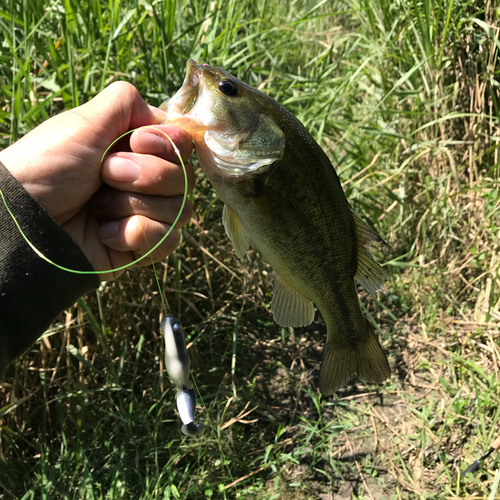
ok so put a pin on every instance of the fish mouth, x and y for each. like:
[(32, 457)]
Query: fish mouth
[(193, 74), (188, 93), (185, 98)]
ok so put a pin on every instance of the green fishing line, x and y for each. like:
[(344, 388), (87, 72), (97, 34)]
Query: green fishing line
[(126, 266)]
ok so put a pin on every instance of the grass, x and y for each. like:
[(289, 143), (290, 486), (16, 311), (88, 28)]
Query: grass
[(404, 99)]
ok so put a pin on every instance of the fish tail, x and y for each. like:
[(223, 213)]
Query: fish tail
[(340, 363)]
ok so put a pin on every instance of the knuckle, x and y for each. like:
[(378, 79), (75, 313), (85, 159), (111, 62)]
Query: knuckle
[(124, 88)]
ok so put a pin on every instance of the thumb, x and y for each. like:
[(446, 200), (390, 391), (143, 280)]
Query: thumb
[(118, 109)]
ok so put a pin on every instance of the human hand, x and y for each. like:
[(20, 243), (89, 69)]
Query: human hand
[(116, 213)]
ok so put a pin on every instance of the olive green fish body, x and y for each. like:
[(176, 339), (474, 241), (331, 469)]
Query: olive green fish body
[(282, 194), (303, 238)]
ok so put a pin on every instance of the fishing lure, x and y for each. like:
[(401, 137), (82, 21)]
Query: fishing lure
[(177, 364)]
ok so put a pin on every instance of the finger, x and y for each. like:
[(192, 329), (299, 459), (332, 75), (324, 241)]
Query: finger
[(153, 141), (110, 204), (146, 174), (139, 235), (116, 260)]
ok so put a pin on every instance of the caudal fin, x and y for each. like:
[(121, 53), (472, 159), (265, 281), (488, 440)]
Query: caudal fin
[(367, 360)]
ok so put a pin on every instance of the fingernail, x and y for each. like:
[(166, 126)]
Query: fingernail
[(121, 169), (108, 230)]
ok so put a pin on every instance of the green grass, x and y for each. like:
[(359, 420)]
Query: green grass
[(404, 99)]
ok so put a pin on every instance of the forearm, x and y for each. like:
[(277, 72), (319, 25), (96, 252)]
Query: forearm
[(32, 291)]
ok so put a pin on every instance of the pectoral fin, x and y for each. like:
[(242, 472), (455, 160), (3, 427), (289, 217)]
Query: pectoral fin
[(290, 308), (235, 230), (369, 273)]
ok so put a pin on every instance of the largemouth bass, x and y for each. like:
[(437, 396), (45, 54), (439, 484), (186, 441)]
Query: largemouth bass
[(281, 193)]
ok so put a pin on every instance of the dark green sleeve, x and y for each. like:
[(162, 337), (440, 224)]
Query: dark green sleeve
[(32, 291)]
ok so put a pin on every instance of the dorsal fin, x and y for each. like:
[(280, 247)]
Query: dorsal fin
[(369, 273)]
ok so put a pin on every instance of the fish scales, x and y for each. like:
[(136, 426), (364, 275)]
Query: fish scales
[(307, 229), (282, 194)]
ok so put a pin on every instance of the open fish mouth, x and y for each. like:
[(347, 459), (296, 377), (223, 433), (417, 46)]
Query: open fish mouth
[(185, 98), (193, 74)]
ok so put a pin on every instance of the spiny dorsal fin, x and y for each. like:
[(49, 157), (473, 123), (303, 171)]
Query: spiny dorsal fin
[(235, 230), (290, 308), (369, 273)]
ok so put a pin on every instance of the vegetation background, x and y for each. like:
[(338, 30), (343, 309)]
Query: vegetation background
[(404, 97)]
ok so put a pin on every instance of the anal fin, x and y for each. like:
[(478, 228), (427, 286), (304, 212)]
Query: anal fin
[(235, 230), (369, 273), (290, 308)]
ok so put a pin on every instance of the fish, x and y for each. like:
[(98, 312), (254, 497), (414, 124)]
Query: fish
[(282, 194), (177, 364)]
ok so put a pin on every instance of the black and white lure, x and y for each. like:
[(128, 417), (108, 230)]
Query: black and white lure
[(177, 364)]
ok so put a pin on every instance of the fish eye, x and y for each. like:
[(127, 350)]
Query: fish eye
[(227, 87)]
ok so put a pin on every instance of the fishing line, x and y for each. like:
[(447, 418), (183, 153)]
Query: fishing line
[(126, 266), (307, 377)]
